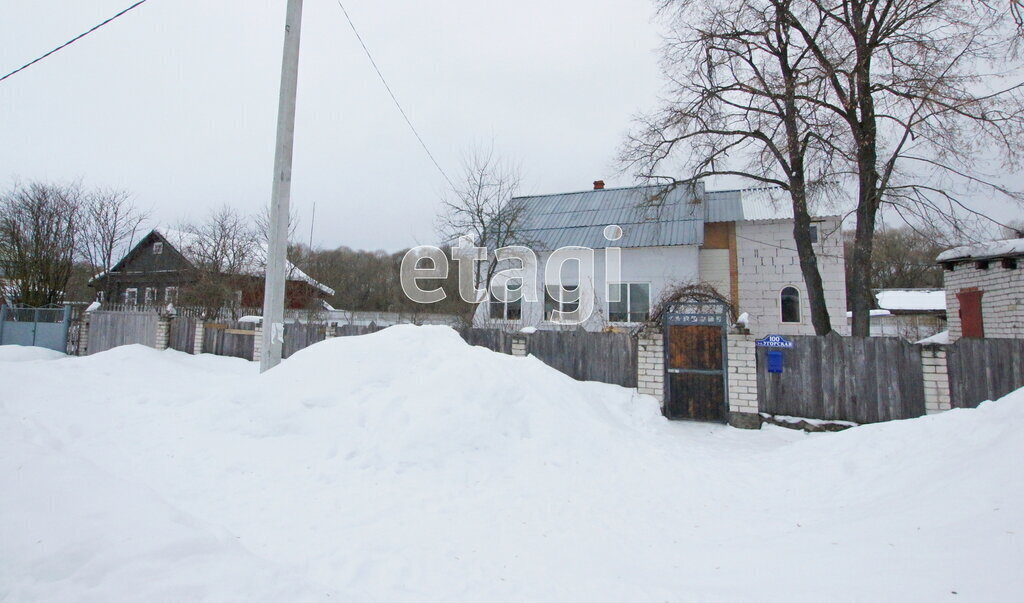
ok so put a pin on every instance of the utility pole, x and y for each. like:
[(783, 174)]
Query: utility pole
[(277, 250)]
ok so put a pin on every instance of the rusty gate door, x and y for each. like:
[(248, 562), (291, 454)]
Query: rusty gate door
[(695, 362)]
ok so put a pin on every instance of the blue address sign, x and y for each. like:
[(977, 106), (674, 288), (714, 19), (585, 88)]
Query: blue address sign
[(774, 341)]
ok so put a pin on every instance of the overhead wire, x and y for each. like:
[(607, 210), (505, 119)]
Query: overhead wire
[(391, 93), (73, 40)]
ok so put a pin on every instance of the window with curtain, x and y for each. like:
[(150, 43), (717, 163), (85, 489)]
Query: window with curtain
[(634, 302), (790, 303)]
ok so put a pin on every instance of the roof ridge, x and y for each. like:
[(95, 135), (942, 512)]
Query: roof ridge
[(598, 190)]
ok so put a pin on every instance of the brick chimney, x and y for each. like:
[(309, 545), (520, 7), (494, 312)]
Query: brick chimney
[(598, 185)]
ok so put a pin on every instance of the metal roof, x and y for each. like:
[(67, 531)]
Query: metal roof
[(650, 216)]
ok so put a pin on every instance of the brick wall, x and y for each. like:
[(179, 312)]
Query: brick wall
[(741, 380), (936, 379), (768, 262), (1002, 305), (651, 364)]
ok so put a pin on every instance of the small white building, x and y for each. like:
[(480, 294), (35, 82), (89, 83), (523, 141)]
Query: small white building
[(738, 241), (985, 289), (913, 314)]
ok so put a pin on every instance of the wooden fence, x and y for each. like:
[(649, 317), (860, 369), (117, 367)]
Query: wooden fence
[(235, 339), (182, 334), (111, 329), (984, 369), (859, 379), (586, 356)]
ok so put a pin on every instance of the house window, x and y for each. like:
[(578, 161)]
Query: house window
[(158, 248), (814, 234), (790, 301), (507, 310), (150, 295), (100, 296), (634, 302), (131, 296), (171, 295), (564, 301)]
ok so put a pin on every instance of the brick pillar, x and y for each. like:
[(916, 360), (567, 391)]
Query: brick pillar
[(257, 346), (83, 334), (741, 380), (520, 345), (936, 379), (329, 331), (197, 345), (163, 332), (650, 351)]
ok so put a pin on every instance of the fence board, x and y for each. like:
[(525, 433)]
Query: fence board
[(301, 335), (983, 369), (860, 379), (586, 356), (182, 334), (112, 329), (495, 340), (225, 339)]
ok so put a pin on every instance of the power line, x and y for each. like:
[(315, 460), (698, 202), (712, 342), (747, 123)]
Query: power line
[(392, 94), (72, 41)]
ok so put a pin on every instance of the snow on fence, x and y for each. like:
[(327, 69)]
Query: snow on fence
[(859, 379), (984, 369)]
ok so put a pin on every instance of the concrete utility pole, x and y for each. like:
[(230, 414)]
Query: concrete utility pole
[(277, 251)]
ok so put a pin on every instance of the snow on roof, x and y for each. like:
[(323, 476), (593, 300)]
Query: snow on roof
[(911, 299), (941, 338), (990, 249), (872, 313)]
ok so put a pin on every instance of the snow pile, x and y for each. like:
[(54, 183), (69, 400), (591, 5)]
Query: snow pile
[(940, 338), (407, 465), (25, 353)]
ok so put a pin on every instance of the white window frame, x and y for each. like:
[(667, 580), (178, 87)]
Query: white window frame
[(799, 306), (149, 296), (560, 303), (100, 296), (493, 301), (134, 295), (629, 303), (158, 248), (171, 295)]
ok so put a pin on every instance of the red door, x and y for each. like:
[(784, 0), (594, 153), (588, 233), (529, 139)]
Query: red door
[(971, 322)]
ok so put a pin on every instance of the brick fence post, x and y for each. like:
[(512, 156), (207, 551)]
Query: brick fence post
[(650, 362), (163, 332), (741, 380), (520, 345), (83, 334), (328, 331), (936, 378), (197, 344), (257, 345)]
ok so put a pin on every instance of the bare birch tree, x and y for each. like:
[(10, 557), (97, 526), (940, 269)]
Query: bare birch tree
[(38, 235), (483, 207), (737, 106), (109, 223)]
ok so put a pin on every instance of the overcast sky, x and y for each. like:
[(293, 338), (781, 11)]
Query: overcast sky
[(176, 102)]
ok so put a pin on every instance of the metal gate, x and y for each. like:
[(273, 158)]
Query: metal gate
[(695, 361), (45, 327)]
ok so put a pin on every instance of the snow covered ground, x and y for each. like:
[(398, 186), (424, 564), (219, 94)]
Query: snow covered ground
[(408, 466)]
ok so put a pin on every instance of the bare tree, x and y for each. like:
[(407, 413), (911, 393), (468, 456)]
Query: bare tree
[(224, 250), (109, 223), (38, 235), (483, 207), (925, 94), (737, 107)]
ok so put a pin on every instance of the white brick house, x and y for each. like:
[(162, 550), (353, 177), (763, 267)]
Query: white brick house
[(739, 241), (985, 289)]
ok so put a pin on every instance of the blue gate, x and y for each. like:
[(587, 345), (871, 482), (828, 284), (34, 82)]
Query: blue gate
[(42, 327)]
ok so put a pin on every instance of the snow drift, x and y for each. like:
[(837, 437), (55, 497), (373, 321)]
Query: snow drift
[(407, 465)]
